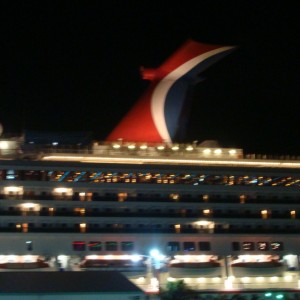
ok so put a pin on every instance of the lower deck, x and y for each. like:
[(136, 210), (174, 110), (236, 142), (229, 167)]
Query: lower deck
[(204, 262)]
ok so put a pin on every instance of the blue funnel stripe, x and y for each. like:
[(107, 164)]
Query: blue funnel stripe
[(177, 95)]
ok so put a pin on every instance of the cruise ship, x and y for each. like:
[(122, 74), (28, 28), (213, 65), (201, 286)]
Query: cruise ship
[(149, 207)]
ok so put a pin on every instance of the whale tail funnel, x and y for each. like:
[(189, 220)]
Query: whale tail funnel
[(159, 115)]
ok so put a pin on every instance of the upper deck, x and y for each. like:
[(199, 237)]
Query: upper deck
[(166, 155)]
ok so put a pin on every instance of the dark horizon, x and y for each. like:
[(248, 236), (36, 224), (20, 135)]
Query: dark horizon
[(70, 67)]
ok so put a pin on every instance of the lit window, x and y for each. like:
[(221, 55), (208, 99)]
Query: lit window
[(122, 197), (277, 246), (174, 196), (205, 197), (29, 245), (206, 212), (11, 175), (177, 228), (80, 211), (263, 246), (248, 246), (25, 227), (13, 190), (242, 198), (264, 214), (82, 227)]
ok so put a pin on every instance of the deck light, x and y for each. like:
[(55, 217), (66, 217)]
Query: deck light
[(154, 253)]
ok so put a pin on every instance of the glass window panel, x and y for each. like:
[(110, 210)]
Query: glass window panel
[(263, 246), (248, 246), (78, 246), (127, 246), (235, 246), (95, 246), (277, 246), (204, 246), (189, 246), (173, 246), (111, 246)]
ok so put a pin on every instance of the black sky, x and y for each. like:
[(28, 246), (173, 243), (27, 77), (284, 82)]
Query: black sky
[(74, 65)]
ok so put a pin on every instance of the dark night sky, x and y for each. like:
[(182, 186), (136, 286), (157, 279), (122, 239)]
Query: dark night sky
[(74, 65)]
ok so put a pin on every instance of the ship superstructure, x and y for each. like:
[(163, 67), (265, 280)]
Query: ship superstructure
[(151, 208), (213, 215)]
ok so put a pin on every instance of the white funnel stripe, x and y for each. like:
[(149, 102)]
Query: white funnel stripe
[(160, 92)]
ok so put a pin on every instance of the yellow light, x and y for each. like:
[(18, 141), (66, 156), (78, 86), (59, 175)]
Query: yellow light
[(131, 147), (242, 198), (241, 162), (218, 151), (232, 151), (161, 147), (116, 146), (82, 225), (203, 223), (205, 197), (13, 189), (260, 279), (288, 278), (189, 148), (4, 145), (28, 205), (206, 151), (206, 211), (143, 147), (216, 279), (60, 190), (93, 257), (171, 279), (274, 278), (174, 196), (175, 148)]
